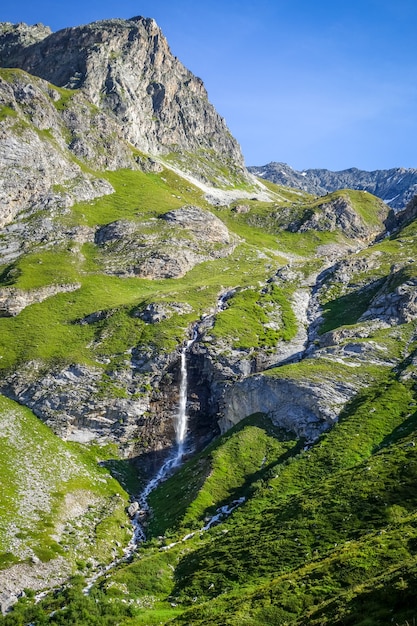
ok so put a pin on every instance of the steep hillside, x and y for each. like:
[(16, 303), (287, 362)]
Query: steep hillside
[(251, 344), (396, 186), (59, 510)]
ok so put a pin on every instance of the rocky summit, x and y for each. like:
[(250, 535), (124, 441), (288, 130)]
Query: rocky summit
[(207, 379), (126, 69)]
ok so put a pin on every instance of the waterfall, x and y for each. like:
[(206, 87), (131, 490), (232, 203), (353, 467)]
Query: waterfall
[(181, 418), (180, 426), (138, 518), (174, 460)]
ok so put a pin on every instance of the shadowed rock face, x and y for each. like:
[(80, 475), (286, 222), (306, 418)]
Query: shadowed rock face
[(304, 407), (126, 67)]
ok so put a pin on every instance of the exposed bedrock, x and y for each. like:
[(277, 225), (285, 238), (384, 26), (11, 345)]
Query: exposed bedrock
[(306, 408)]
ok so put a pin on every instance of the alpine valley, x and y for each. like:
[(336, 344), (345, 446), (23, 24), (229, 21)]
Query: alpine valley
[(222, 366)]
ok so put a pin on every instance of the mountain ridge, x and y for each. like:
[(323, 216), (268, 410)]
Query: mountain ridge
[(395, 186), (126, 69)]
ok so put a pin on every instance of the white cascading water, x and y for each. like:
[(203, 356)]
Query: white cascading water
[(174, 460), (181, 419)]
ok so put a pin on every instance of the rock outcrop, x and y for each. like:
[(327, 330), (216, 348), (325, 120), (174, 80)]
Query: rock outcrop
[(304, 407), (394, 307), (13, 301), (41, 131), (183, 238), (339, 214), (79, 405)]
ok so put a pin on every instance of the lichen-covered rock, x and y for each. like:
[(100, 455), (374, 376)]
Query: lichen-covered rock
[(71, 401), (394, 307), (157, 311), (339, 214), (203, 224), (168, 249)]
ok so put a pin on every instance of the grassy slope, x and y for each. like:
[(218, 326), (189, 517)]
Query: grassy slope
[(343, 304), (48, 332), (318, 524), (42, 479), (322, 532)]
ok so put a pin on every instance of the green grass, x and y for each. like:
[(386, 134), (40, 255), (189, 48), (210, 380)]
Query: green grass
[(212, 167), (66, 97), (49, 331), (347, 309), (322, 532), (138, 196), (370, 208), (6, 112), (41, 475), (253, 319), (225, 471)]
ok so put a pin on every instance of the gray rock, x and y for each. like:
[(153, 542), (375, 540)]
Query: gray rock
[(241, 208), (203, 224), (182, 239), (133, 509), (156, 312), (13, 301), (394, 307), (115, 231), (37, 171), (304, 407)]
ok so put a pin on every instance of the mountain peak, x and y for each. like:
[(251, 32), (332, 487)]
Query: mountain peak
[(126, 69)]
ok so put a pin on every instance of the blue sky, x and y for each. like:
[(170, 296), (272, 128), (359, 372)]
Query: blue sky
[(313, 84)]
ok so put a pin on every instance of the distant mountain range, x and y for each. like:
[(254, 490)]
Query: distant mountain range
[(395, 187)]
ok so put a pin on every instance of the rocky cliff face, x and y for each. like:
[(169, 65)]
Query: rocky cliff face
[(395, 187), (42, 132), (126, 69)]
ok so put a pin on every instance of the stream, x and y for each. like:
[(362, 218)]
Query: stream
[(140, 510), (180, 426)]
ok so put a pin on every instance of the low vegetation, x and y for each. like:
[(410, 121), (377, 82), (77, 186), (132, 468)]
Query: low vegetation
[(57, 496), (321, 533)]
